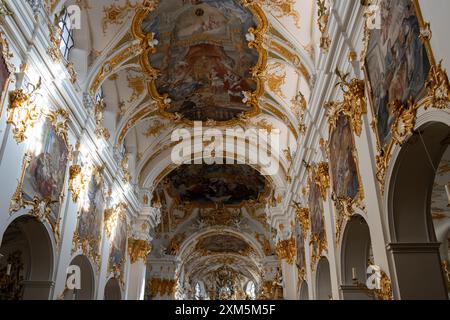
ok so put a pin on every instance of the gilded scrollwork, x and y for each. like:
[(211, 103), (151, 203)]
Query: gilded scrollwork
[(322, 21), (353, 106), (303, 218), (23, 110), (286, 250), (322, 178)]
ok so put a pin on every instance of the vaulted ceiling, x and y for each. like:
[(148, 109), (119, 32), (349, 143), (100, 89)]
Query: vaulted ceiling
[(231, 63)]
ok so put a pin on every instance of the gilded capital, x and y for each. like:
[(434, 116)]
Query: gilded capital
[(138, 249)]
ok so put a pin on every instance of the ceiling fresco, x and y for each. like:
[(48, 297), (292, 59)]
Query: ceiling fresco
[(223, 243), (216, 184), (202, 57)]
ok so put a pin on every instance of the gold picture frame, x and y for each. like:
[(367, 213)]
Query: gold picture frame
[(39, 207), (436, 94)]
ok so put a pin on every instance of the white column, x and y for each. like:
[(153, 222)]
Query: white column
[(136, 280)]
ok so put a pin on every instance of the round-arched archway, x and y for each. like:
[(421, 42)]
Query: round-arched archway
[(112, 290), (414, 248), (27, 260), (304, 293), (323, 280), (356, 252), (87, 290)]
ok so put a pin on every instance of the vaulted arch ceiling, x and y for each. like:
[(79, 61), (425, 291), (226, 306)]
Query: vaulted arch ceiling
[(119, 62), (231, 64)]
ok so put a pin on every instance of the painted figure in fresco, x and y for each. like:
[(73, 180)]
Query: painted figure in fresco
[(4, 74), (342, 163), (118, 244), (396, 61), (301, 260), (225, 184), (204, 65), (91, 215), (46, 173), (316, 211)]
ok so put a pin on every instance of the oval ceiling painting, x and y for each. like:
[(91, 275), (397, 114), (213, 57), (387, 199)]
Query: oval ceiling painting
[(203, 55)]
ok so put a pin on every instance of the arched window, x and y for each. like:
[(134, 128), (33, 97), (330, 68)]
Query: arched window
[(250, 290), (198, 292), (66, 34)]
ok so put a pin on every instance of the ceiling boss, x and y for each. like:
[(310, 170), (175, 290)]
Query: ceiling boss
[(204, 58)]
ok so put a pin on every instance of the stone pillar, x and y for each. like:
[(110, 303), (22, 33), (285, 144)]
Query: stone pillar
[(418, 270), (138, 249), (286, 252)]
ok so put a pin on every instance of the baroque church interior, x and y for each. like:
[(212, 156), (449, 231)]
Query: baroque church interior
[(349, 101)]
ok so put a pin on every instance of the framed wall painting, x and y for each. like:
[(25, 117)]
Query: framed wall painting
[(397, 60), (6, 70), (89, 229), (345, 179), (318, 240), (44, 171)]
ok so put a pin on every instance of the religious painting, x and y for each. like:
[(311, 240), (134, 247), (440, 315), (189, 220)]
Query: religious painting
[(202, 57), (343, 168), (118, 251), (396, 62), (88, 233), (316, 212), (205, 185), (45, 172), (318, 236), (6, 70), (301, 255)]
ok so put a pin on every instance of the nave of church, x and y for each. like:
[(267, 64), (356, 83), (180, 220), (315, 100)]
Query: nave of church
[(224, 150)]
